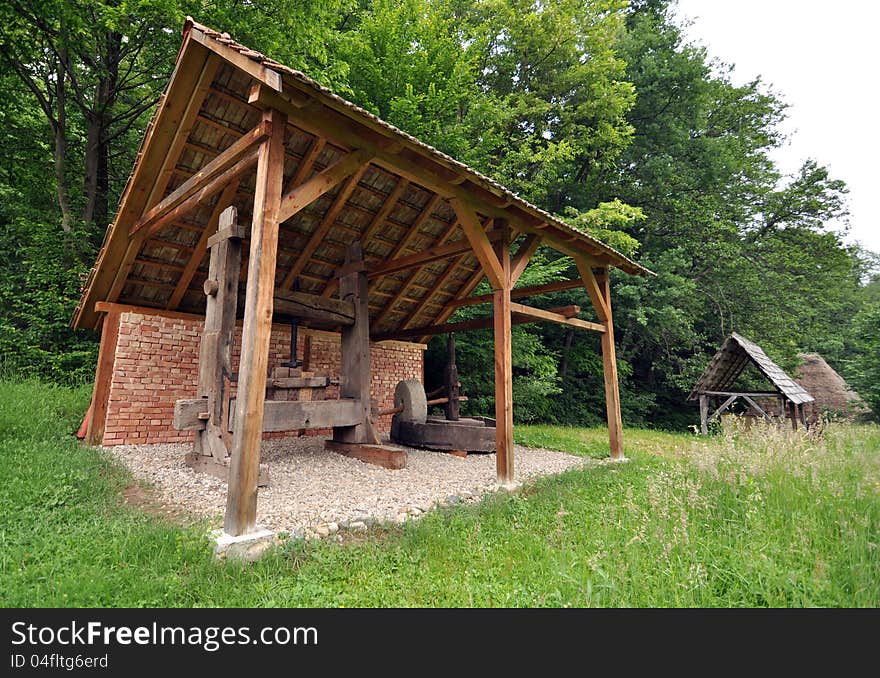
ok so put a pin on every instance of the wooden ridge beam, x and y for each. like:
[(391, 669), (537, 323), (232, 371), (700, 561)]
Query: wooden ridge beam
[(326, 223), (392, 154), (305, 194), (219, 167), (256, 70)]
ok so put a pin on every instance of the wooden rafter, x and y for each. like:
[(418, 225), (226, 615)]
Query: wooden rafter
[(201, 247), (470, 284), (384, 210), (423, 303), (411, 278), (321, 231), (416, 226)]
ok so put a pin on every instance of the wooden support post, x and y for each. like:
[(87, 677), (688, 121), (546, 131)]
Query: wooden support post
[(215, 350), (355, 372), (704, 414), (504, 461), (450, 377), (241, 501), (609, 364), (103, 378), (794, 418)]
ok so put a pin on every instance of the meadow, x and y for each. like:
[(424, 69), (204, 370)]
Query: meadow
[(760, 518)]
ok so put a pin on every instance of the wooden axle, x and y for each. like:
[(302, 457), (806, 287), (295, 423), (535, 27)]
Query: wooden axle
[(435, 401)]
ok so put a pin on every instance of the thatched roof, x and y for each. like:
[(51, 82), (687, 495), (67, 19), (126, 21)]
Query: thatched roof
[(732, 358), (826, 385), (396, 200)]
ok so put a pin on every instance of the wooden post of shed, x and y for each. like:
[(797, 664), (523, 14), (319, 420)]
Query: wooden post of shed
[(241, 501), (704, 414), (103, 378), (355, 347), (609, 364), (503, 361)]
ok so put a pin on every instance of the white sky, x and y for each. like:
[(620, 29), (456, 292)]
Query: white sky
[(822, 58)]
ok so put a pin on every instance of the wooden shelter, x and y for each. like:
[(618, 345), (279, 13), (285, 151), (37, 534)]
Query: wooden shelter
[(333, 218), (732, 358)]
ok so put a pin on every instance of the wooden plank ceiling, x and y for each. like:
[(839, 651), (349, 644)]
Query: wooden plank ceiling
[(394, 215)]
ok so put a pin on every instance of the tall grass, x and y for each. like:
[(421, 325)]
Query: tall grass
[(767, 517)]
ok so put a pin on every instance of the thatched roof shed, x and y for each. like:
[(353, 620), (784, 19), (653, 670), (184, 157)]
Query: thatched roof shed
[(735, 354)]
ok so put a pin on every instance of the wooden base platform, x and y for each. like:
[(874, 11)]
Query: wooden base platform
[(380, 455), (468, 434)]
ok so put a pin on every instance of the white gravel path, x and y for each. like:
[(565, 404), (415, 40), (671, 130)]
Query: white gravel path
[(313, 491)]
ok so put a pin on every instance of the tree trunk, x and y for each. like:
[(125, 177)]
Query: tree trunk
[(97, 176), (566, 350), (59, 129)]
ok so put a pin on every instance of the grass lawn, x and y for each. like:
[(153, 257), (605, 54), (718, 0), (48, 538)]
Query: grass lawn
[(760, 519)]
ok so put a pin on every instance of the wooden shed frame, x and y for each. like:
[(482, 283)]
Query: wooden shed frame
[(402, 234), (732, 358)]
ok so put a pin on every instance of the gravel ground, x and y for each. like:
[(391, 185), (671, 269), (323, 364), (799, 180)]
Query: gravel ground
[(314, 492)]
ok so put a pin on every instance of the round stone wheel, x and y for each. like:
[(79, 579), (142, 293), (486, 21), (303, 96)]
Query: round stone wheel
[(410, 394)]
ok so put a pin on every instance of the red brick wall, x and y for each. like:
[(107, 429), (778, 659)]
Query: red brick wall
[(157, 358)]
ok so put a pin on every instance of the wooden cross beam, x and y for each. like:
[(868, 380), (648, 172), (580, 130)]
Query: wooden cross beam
[(479, 241), (226, 167), (520, 292), (305, 194), (562, 315)]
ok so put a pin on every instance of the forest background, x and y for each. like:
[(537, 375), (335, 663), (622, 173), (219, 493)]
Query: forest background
[(598, 111)]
